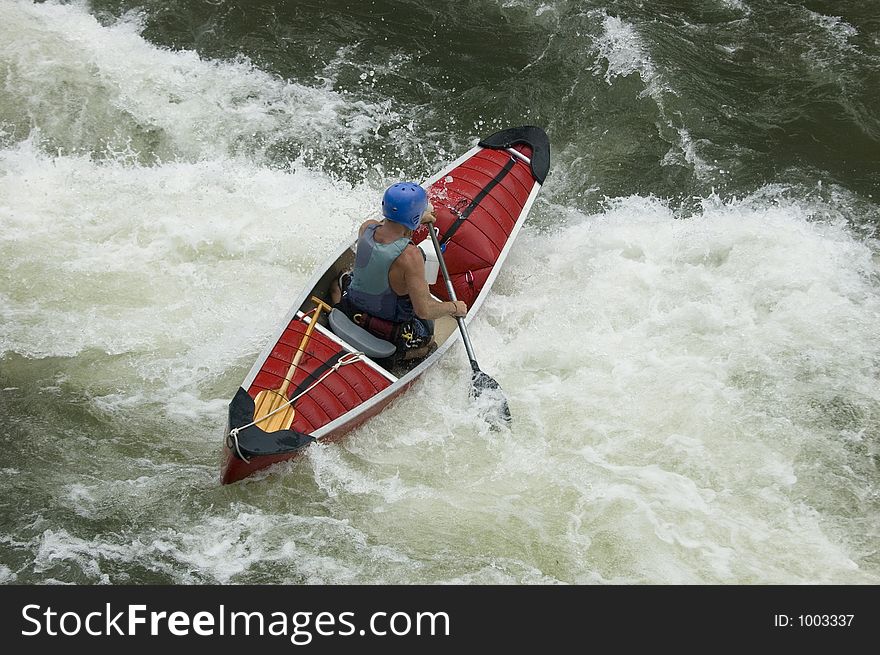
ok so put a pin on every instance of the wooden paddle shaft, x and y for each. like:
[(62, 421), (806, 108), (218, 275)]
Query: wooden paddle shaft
[(302, 344)]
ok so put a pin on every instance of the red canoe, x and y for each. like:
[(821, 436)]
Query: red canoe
[(344, 375)]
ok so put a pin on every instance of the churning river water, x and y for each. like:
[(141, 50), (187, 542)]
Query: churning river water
[(687, 329)]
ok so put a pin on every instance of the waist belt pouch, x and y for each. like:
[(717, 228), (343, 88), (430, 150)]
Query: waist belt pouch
[(378, 326)]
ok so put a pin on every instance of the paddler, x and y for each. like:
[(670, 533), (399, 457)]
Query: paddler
[(386, 292)]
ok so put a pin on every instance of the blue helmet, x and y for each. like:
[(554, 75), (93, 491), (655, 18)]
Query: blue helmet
[(404, 203)]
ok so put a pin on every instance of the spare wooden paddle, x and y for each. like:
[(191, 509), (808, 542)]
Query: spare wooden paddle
[(276, 402)]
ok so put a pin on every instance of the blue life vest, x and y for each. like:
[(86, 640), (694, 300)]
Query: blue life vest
[(370, 290)]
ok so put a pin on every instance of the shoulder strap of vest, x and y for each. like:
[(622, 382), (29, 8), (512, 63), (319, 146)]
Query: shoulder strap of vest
[(375, 226)]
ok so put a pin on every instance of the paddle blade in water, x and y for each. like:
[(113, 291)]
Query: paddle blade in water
[(487, 389)]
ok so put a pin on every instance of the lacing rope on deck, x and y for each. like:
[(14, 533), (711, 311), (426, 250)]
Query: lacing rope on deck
[(348, 358)]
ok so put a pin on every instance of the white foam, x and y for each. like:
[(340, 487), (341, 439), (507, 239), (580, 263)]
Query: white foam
[(621, 51), (830, 54), (91, 88), (691, 350), (835, 26), (182, 268), (334, 475), (624, 53), (737, 5), (6, 575)]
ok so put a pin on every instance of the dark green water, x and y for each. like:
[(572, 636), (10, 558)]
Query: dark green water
[(765, 92), (687, 329)]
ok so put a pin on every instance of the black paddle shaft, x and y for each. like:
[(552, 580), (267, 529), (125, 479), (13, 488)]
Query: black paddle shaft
[(451, 291), (480, 380)]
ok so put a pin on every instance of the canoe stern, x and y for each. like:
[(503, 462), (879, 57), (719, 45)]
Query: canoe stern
[(247, 448)]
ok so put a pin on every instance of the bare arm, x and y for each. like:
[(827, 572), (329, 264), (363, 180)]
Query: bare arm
[(425, 306)]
